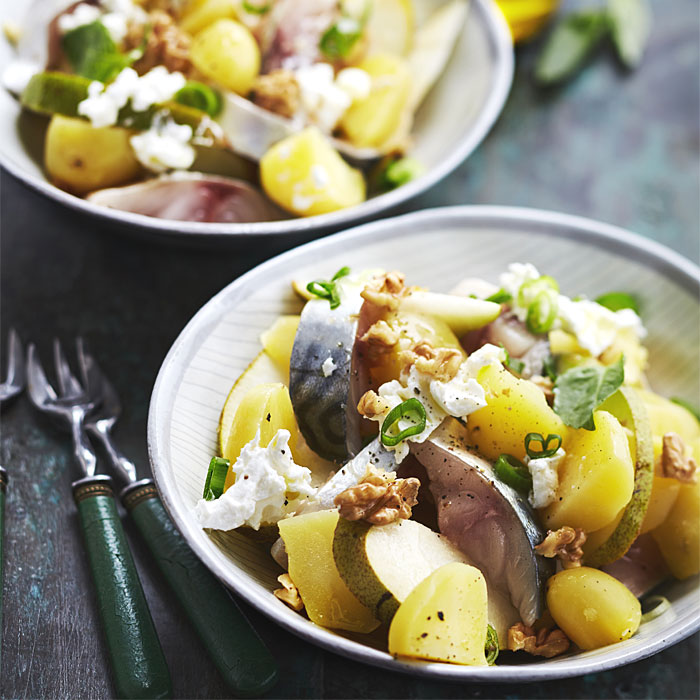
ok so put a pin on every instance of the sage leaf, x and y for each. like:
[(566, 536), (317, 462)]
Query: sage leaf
[(630, 22), (579, 391), (568, 46)]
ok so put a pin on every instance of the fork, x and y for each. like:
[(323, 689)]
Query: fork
[(13, 385), (236, 649), (137, 660)]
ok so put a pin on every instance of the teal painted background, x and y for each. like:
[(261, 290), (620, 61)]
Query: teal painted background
[(616, 146)]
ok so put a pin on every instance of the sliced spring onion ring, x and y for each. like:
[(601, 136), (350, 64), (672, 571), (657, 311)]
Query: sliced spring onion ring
[(513, 472), (340, 38), (546, 450), (216, 478), (328, 290), (660, 604), (200, 96), (542, 313), (253, 8), (491, 647), (615, 301), (412, 410), (530, 289), (500, 297)]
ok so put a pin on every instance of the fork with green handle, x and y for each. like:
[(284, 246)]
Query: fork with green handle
[(138, 665), (236, 649)]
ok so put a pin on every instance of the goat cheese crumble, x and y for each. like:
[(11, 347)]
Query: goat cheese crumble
[(328, 366), (596, 327), (165, 146), (266, 478), (545, 478)]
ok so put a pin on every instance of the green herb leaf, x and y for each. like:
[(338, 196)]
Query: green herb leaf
[(500, 297), (618, 300), (216, 478), (200, 96), (687, 406), (328, 290), (580, 390), (339, 39), (255, 9), (513, 472), (545, 450), (92, 53), (411, 410), (630, 22), (550, 367), (568, 46), (516, 365), (492, 647)]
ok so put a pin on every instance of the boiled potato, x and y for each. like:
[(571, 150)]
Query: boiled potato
[(592, 608), (80, 158), (304, 174), (669, 417), (596, 478), (370, 122), (664, 492), (227, 53), (278, 341), (199, 14), (266, 408), (678, 536), (444, 618), (515, 408), (308, 541)]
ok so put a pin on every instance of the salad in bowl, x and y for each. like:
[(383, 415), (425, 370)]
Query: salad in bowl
[(229, 110), (462, 474)]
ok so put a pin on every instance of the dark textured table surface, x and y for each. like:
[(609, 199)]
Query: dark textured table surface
[(610, 145)]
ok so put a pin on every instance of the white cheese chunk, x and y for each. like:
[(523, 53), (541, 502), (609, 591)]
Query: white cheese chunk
[(545, 478), (165, 146), (266, 477), (17, 75), (328, 366)]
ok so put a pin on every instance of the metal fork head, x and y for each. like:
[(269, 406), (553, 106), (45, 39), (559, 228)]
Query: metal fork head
[(69, 406), (14, 383)]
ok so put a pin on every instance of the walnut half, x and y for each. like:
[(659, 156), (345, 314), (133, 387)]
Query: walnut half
[(546, 642), (378, 499), (385, 290), (674, 460), (565, 543), (289, 593)]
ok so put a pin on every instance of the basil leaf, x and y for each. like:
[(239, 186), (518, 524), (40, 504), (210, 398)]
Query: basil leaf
[(579, 391), (569, 44), (630, 22), (92, 53), (615, 301)]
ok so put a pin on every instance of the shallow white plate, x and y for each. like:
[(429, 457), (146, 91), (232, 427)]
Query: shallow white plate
[(435, 248), (455, 117)]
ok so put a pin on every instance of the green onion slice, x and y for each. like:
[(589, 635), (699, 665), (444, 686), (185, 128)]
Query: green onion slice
[(514, 473), (500, 297), (516, 365), (660, 604), (542, 313), (530, 289), (411, 410), (491, 647), (339, 39), (615, 301), (200, 96), (328, 290), (398, 172), (254, 8), (546, 450), (216, 478)]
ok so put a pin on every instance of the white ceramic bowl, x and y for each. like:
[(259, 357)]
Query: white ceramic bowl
[(435, 248), (455, 117)]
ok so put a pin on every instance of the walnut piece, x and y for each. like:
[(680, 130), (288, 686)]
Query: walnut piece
[(440, 363), (379, 499), (565, 543), (289, 594), (166, 45), (381, 337), (546, 642), (385, 290), (675, 463), (278, 92), (371, 405)]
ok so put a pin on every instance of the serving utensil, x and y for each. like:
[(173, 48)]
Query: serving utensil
[(11, 387), (236, 649), (137, 660)]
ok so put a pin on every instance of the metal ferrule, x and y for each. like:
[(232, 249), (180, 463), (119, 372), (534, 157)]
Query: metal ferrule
[(89, 486), (3, 479), (138, 492)]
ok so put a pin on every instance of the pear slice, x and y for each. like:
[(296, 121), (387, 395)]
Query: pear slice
[(627, 406)]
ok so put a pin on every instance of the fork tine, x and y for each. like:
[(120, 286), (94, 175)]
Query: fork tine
[(38, 386), (68, 385), (94, 377), (15, 361)]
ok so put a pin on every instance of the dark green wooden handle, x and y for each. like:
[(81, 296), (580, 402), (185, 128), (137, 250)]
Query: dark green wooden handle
[(138, 664), (238, 652), (3, 484)]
